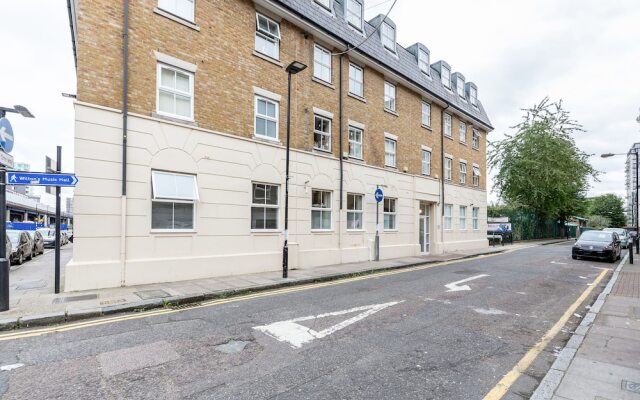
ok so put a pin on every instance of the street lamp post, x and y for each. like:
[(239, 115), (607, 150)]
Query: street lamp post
[(634, 210), (4, 262), (292, 69)]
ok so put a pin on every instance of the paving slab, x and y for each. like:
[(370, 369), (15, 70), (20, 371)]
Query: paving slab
[(587, 379)]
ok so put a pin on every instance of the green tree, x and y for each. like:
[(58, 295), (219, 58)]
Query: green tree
[(539, 166), (599, 222), (610, 206)]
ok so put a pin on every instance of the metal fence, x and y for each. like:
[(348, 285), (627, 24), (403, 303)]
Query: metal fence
[(526, 225)]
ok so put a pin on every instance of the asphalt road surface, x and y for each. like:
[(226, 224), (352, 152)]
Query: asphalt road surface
[(401, 335)]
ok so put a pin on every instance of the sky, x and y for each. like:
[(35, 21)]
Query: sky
[(585, 52)]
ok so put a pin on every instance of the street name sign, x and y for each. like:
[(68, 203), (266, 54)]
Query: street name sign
[(6, 135), (40, 179)]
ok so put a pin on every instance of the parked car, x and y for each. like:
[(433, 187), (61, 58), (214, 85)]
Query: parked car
[(597, 244), (21, 246), (64, 238), (624, 236), (38, 242), (49, 236), (8, 247)]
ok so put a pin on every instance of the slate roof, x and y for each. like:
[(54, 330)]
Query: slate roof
[(404, 63)]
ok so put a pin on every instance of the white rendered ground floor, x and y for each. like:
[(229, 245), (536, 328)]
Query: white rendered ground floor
[(205, 204)]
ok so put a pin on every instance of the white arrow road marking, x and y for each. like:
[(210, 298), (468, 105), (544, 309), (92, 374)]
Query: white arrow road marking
[(559, 263), (297, 335), (10, 367), (453, 286)]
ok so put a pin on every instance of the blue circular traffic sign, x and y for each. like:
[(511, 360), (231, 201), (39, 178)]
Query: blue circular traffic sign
[(6, 135), (379, 195)]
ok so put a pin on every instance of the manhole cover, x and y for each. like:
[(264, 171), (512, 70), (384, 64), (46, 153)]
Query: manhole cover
[(31, 285), (152, 294), (234, 346), (631, 386), (112, 302), (60, 300)]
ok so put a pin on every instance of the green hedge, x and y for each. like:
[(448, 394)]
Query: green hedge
[(525, 224)]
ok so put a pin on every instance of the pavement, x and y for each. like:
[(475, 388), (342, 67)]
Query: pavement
[(601, 361), (462, 329), (33, 303)]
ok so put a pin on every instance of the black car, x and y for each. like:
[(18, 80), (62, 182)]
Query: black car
[(597, 244), (21, 246)]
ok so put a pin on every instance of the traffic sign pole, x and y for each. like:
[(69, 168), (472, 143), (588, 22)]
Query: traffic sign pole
[(4, 262), (58, 170), (379, 196)]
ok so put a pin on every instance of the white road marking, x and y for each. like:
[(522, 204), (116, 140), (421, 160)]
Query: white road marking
[(297, 335), (10, 367), (559, 263), (453, 286), (490, 311)]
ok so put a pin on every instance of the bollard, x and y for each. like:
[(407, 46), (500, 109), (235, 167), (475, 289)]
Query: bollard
[(630, 253)]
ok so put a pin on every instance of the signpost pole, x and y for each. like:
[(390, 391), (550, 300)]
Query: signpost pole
[(57, 273), (377, 239), (4, 262)]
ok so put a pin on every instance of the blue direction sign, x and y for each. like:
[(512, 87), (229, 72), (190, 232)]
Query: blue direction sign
[(6, 135), (379, 195), (40, 179)]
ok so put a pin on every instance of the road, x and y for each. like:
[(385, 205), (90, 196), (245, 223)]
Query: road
[(418, 339)]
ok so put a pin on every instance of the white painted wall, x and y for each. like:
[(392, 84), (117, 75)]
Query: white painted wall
[(223, 243)]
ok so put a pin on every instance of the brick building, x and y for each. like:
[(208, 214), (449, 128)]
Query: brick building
[(205, 126)]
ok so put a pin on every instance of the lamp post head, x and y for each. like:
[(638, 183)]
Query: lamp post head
[(22, 110), (607, 155), (296, 67)]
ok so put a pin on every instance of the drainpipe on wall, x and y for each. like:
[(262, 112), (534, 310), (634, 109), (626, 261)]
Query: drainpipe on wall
[(125, 111), (341, 149), (442, 173)]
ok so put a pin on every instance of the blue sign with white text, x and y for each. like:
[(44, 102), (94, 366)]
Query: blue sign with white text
[(379, 195), (39, 179), (6, 135)]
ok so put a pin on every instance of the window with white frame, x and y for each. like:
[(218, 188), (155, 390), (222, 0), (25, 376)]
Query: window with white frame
[(463, 217), (447, 125), (423, 61), (463, 173), (264, 207), (448, 209), (476, 175), (180, 8), (354, 14), (426, 114), (355, 142), (448, 166), (267, 36), (463, 132), (320, 210), (445, 76), (473, 94), (390, 152), (475, 213), (354, 211), (389, 96), (325, 3), (322, 133), (390, 211), (266, 118), (475, 140), (388, 37), (322, 63), (173, 202), (175, 92), (426, 162), (356, 80), (460, 87)]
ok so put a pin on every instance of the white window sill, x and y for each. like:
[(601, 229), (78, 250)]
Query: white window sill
[(266, 232), (392, 112), (358, 231), (476, 148), (322, 151), (322, 231), (323, 83), (174, 118), (463, 143), (357, 97), (267, 139), (390, 230), (170, 231), (391, 167), (267, 58), (427, 127), (354, 158), (176, 18), (448, 137)]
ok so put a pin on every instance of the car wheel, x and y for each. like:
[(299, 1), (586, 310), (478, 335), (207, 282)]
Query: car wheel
[(574, 257), (20, 259)]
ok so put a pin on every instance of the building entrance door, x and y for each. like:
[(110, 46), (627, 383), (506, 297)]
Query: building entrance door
[(424, 231)]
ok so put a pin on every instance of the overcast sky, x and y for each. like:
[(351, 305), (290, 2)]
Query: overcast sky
[(586, 52)]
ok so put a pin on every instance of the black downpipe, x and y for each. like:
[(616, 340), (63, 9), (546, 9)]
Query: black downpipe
[(340, 130), (73, 36), (125, 91), (442, 157)]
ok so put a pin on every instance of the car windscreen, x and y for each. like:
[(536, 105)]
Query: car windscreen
[(14, 236), (597, 236), (620, 232)]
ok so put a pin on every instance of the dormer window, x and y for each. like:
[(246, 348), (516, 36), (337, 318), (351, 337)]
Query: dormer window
[(354, 14), (460, 86), (325, 3), (473, 94), (423, 61), (445, 76), (388, 35)]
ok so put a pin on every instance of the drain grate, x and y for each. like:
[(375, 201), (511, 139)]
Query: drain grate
[(152, 294), (61, 300), (630, 386)]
